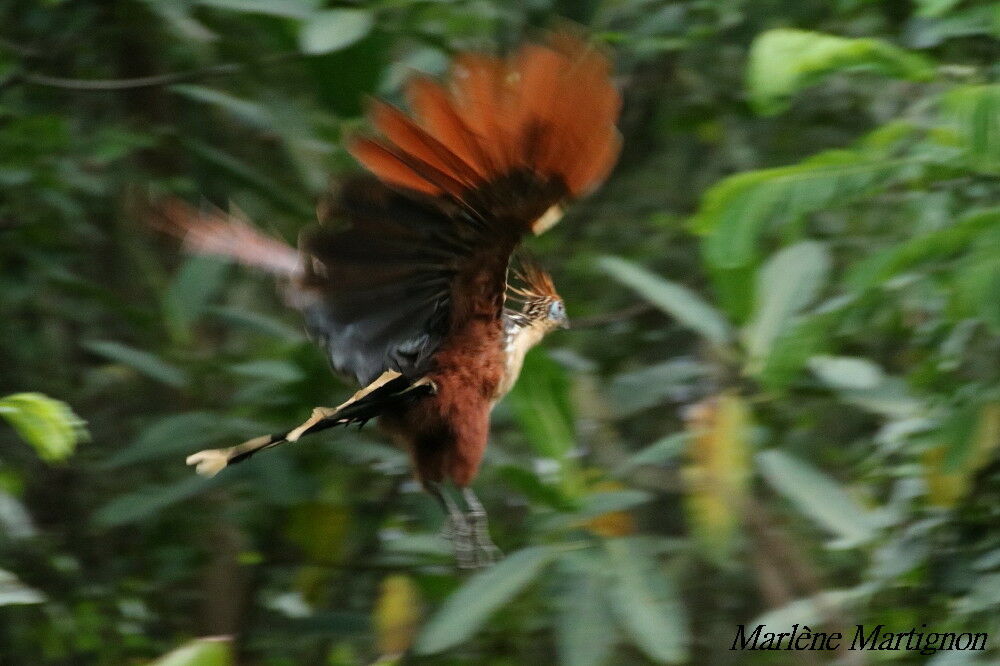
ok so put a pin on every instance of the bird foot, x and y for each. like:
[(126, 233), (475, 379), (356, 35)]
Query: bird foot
[(470, 541)]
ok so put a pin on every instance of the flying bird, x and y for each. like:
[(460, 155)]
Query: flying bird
[(408, 291)]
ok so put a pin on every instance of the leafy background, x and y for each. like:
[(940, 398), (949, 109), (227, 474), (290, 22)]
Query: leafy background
[(779, 404)]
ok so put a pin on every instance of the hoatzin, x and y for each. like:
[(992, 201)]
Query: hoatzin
[(409, 294)]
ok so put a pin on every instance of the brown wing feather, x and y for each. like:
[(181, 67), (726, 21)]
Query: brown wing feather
[(547, 112)]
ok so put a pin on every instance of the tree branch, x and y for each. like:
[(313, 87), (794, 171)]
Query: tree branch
[(106, 85)]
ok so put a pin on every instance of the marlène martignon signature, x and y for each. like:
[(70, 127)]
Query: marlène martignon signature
[(875, 639)]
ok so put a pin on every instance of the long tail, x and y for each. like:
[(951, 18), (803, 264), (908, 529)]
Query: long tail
[(216, 232), (389, 390)]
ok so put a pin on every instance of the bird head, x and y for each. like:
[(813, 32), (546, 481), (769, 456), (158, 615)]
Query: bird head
[(541, 305)]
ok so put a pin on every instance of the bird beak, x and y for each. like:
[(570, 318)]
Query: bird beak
[(564, 322)]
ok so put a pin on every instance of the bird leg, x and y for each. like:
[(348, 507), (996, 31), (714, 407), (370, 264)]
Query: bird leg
[(484, 550), (456, 527)]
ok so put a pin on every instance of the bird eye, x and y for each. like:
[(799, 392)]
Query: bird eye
[(557, 310)]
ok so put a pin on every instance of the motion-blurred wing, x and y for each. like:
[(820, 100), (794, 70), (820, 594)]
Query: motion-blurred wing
[(487, 157)]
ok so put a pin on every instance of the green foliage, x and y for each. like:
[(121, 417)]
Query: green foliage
[(783, 62), (48, 425), (804, 428), (203, 652)]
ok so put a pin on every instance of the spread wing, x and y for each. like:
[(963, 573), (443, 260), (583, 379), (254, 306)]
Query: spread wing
[(486, 158)]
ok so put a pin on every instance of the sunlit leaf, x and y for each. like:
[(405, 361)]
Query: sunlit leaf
[(334, 29), (646, 603), (789, 281), (676, 300), (818, 497), (283, 8), (846, 372), (144, 362), (48, 425), (473, 604), (975, 111), (735, 212), (14, 592), (784, 61), (200, 652)]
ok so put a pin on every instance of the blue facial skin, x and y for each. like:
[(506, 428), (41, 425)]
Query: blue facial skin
[(557, 313)]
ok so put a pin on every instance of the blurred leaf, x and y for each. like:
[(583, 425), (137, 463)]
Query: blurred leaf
[(473, 604), (182, 434), (784, 61), (200, 652), (788, 282), (541, 402), (660, 451), (281, 372), (792, 350), (975, 111), (846, 372), (397, 613), (256, 322), (194, 286), (15, 522), (334, 29), (675, 380), (48, 425), (251, 113), (817, 496), (984, 595), (813, 610), (14, 592), (735, 212), (676, 300), (283, 8), (646, 603), (149, 500), (717, 472), (970, 438), (935, 7), (584, 625), (890, 398), (295, 202), (142, 361), (930, 31)]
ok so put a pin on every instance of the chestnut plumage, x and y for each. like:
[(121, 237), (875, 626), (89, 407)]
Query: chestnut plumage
[(407, 289)]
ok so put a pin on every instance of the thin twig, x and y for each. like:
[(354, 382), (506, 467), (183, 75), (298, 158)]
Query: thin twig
[(106, 85)]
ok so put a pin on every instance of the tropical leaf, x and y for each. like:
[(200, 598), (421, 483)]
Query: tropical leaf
[(200, 652), (194, 286), (788, 282), (784, 61), (646, 603), (48, 425), (735, 212), (334, 29), (584, 632), (14, 593), (676, 300), (142, 361), (975, 112), (468, 608), (818, 497), (283, 8)]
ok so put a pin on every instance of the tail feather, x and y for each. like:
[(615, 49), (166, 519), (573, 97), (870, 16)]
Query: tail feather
[(389, 390), (228, 235)]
